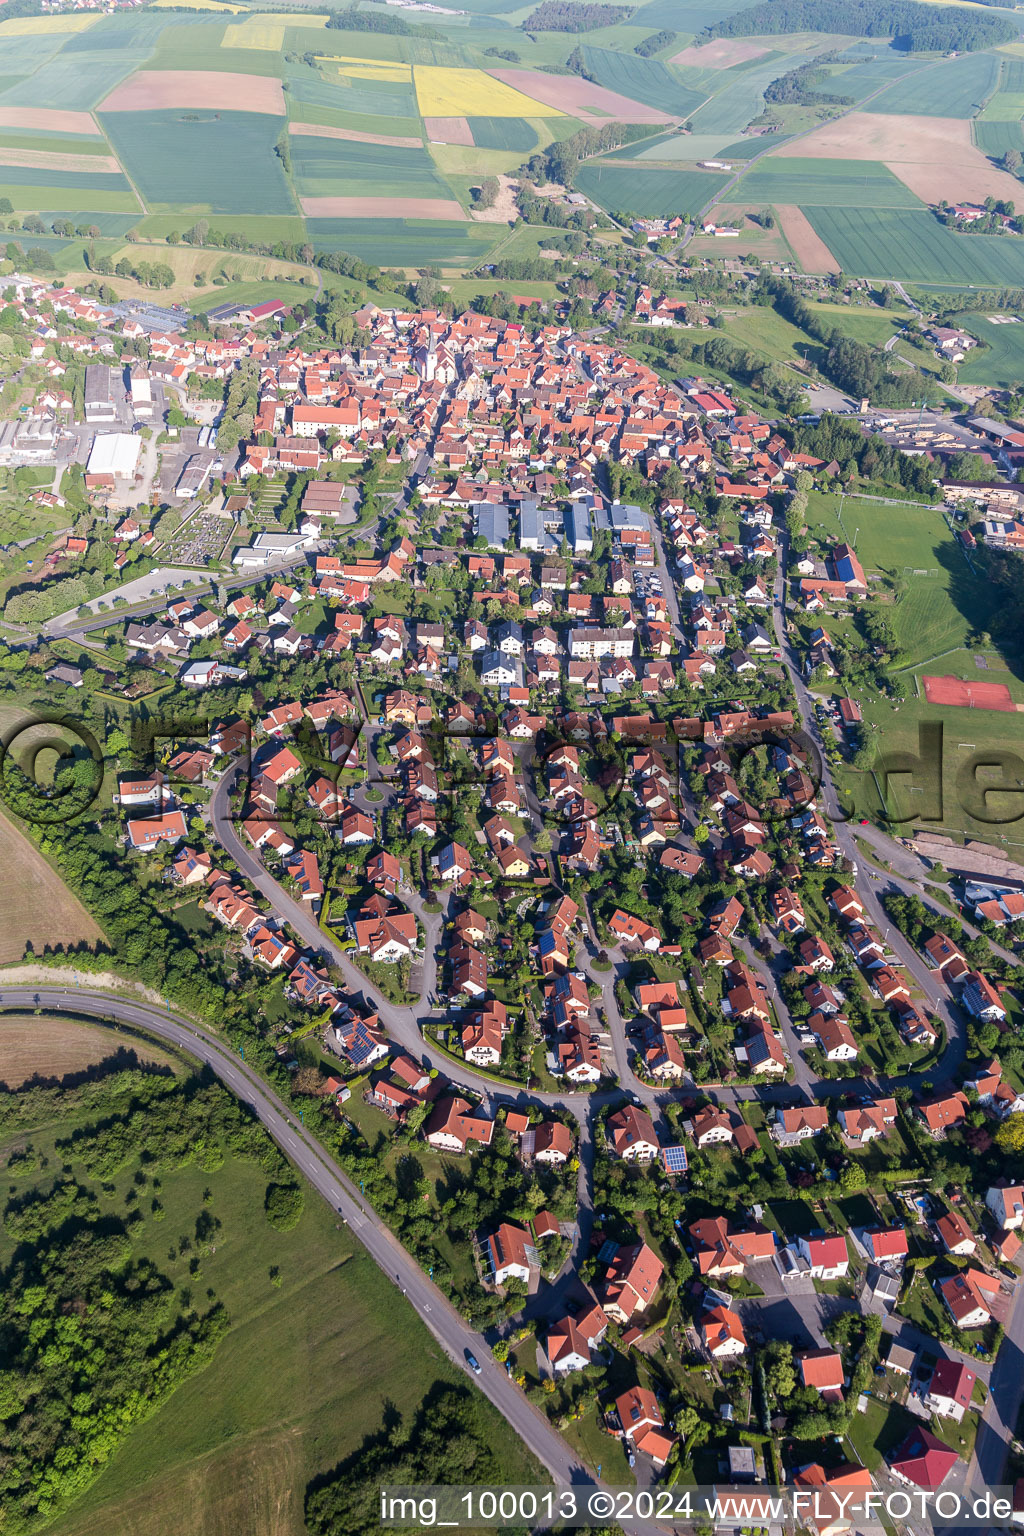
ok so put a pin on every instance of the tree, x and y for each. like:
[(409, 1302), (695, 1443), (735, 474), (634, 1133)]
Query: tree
[(1010, 1135)]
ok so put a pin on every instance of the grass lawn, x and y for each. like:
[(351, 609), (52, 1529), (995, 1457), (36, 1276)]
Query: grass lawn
[(871, 326), (878, 1430), (302, 1376), (793, 1218), (599, 1449), (763, 331), (922, 1307)]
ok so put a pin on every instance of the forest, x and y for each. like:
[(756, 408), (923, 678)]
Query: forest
[(573, 16), (912, 26)]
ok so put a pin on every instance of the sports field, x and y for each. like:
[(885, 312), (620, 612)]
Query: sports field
[(220, 162), (964, 693), (648, 191), (819, 183), (912, 245)]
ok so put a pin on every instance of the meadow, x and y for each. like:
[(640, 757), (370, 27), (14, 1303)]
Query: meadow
[(823, 183), (953, 88), (1000, 362), (912, 245), (75, 200), (647, 190), (217, 163)]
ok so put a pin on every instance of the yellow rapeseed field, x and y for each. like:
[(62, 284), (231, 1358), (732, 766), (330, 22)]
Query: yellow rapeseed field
[(387, 70), (266, 31), (34, 26), (443, 92)]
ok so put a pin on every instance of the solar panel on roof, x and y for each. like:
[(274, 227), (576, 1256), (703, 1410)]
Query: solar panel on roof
[(674, 1159)]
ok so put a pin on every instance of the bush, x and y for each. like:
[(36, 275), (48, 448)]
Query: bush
[(282, 1205)]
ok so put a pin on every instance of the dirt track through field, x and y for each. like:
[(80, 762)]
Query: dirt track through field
[(448, 130), (590, 103), (809, 249), (321, 131), (42, 119), (196, 90), (381, 208)]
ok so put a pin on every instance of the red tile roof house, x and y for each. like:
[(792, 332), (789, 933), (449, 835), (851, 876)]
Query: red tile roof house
[(968, 1297), (922, 1460), (567, 1349), (884, 1243), (946, 957), (723, 1249), (827, 1258), (628, 930), (452, 1126), (510, 1254), (552, 1142), (795, 1125), (631, 1135), (955, 1235), (1005, 1202), (822, 1369), (145, 835), (941, 1115), (950, 1390), (643, 1425), (981, 999), (867, 1121), (722, 1333), (631, 1282)]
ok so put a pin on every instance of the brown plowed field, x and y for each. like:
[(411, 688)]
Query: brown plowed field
[(721, 54), (809, 249), (321, 131), (579, 98), (195, 90), (49, 122), (448, 130)]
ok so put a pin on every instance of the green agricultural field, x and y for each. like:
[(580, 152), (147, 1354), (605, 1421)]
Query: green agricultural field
[(995, 138), (646, 80), (740, 101), (72, 81), (305, 88), (111, 225), (211, 163), (31, 197), (77, 182), (913, 246), (1004, 107), (406, 242), (869, 75), (503, 133), (254, 226), (55, 143), (343, 168), (954, 88), (825, 183), (648, 191), (1000, 362)]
